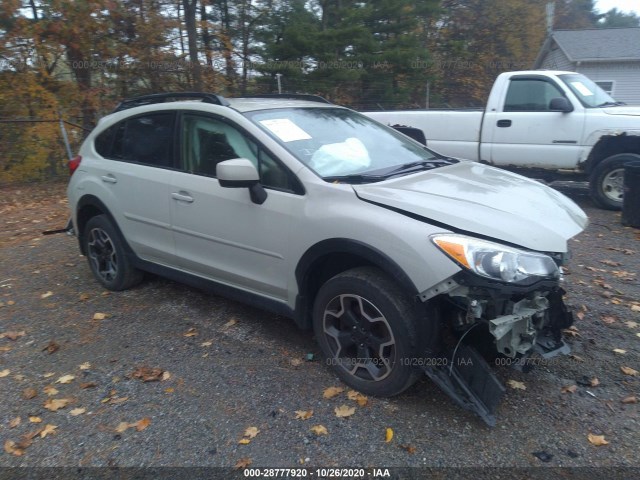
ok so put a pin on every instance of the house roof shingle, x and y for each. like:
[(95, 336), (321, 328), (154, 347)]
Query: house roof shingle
[(599, 44)]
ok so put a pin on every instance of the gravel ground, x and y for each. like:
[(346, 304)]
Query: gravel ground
[(222, 368)]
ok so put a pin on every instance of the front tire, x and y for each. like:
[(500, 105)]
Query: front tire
[(607, 181), (106, 255), (366, 327)]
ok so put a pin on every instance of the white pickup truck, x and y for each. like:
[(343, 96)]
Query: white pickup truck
[(550, 124)]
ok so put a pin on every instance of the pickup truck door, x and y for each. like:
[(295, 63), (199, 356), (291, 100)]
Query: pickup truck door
[(522, 131)]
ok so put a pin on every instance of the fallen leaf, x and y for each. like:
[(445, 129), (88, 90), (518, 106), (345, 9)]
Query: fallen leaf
[(319, 430), (344, 411), (11, 447), (14, 422), (55, 404), (304, 414), (147, 374), (332, 392), (244, 441), (46, 295), (362, 400), (4, 373), (84, 296), (122, 426), (388, 435), (169, 390), (50, 390), (516, 385), (629, 371), (13, 335), (608, 319), (569, 389), (635, 308), (65, 379), (619, 351), (242, 463), (629, 399), (190, 333), (116, 400), (594, 382), (580, 315), (48, 430), (51, 347), (251, 432), (230, 323), (577, 358), (631, 324), (29, 393), (409, 448), (5, 349), (99, 316), (77, 411), (572, 331), (48, 375), (84, 366), (35, 419), (597, 440), (610, 263), (88, 385), (208, 343), (141, 424), (296, 362), (165, 376)]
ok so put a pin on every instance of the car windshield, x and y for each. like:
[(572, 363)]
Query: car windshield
[(589, 94), (336, 142)]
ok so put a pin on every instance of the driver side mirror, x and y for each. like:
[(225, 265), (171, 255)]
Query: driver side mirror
[(241, 173), (560, 104)]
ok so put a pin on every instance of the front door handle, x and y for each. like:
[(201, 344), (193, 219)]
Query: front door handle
[(109, 179), (504, 123), (182, 197)]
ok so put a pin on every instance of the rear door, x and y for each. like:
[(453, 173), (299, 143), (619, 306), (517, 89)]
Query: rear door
[(141, 154)]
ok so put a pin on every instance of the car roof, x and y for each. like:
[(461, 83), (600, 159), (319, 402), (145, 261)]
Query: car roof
[(248, 104)]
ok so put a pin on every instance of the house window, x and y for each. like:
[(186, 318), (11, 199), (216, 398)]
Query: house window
[(607, 86)]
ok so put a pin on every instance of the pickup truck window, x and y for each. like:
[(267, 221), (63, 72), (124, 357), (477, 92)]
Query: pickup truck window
[(589, 94), (530, 95)]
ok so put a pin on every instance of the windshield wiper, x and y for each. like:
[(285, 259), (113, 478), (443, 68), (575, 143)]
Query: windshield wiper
[(611, 104), (421, 165), (355, 178)]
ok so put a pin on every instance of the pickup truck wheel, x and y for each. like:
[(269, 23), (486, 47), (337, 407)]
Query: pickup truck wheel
[(607, 181), (106, 255), (366, 327)]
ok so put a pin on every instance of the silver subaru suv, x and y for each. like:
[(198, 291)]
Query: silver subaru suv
[(404, 262)]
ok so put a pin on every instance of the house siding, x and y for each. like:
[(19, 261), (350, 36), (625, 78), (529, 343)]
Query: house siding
[(625, 75), (556, 60)]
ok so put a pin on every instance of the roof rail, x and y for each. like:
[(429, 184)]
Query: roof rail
[(292, 96), (163, 97)]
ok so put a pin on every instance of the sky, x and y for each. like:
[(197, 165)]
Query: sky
[(622, 5)]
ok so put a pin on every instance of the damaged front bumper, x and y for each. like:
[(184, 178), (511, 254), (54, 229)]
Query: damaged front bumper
[(522, 321)]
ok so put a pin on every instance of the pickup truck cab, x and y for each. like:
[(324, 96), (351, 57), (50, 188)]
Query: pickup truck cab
[(551, 124)]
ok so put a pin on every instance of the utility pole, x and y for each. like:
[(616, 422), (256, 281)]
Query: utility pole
[(278, 75)]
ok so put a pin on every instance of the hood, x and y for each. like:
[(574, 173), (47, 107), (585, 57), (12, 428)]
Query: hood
[(634, 111), (480, 199)]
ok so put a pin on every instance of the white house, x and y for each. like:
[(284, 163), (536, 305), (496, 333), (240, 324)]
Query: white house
[(609, 56)]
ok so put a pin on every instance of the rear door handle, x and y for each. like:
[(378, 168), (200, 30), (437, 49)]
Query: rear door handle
[(109, 179), (504, 123), (182, 197)]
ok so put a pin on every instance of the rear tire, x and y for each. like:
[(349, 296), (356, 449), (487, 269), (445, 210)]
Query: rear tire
[(607, 181), (106, 255), (367, 328)]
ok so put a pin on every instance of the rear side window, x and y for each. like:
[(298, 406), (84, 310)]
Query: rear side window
[(146, 139)]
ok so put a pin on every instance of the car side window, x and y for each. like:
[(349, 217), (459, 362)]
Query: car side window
[(146, 139), (530, 95), (207, 141)]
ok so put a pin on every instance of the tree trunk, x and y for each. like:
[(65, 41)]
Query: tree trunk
[(192, 37)]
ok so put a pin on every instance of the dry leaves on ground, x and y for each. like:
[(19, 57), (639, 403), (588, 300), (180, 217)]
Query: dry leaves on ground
[(332, 392)]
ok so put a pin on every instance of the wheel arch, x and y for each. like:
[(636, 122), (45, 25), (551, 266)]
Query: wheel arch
[(609, 145), (88, 207), (330, 257)]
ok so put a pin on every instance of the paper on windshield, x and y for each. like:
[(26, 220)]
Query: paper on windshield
[(580, 87), (340, 158), (285, 129)]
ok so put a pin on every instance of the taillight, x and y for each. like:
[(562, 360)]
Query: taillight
[(74, 163)]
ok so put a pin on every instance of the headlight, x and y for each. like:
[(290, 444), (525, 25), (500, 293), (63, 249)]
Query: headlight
[(496, 261)]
